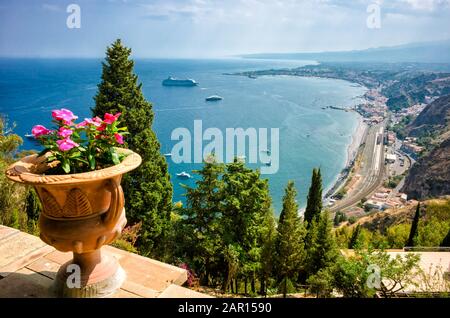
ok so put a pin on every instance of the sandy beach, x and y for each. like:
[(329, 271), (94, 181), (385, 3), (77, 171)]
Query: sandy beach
[(357, 139), (352, 150)]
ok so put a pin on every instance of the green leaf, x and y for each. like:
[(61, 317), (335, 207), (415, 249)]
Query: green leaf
[(114, 156), (65, 165), (91, 160)]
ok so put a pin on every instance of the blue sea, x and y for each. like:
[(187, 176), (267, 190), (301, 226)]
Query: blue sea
[(309, 135)]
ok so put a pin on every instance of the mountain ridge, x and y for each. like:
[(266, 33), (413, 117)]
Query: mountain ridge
[(426, 52)]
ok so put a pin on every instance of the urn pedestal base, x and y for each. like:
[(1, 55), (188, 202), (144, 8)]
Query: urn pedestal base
[(89, 275)]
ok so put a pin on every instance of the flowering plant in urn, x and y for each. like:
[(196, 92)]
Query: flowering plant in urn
[(86, 146), (77, 177)]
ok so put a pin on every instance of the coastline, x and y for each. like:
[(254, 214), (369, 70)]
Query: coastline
[(352, 151), (357, 140)]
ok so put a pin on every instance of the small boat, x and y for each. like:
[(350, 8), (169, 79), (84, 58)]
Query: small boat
[(30, 136), (184, 175), (213, 98), (171, 81), (168, 155)]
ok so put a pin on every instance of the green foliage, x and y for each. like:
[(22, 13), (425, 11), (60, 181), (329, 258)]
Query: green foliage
[(397, 235), (246, 206), (314, 202), (350, 275), (12, 195), (33, 206), (321, 283), (339, 217), (352, 220), (227, 228), (432, 232), (286, 287), (200, 232), (320, 244), (366, 273), (355, 237), (290, 239), (148, 191), (128, 238)]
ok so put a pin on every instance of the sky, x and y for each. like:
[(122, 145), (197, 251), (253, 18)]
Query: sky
[(215, 28)]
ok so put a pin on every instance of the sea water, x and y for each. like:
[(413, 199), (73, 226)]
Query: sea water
[(310, 136)]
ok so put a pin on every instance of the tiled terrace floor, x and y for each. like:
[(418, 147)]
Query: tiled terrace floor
[(28, 267)]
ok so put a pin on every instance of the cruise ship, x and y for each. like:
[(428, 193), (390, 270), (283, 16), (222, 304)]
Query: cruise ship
[(171, 81)]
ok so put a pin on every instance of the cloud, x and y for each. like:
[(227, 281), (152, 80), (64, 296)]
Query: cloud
[(427, 5), (51, 7)]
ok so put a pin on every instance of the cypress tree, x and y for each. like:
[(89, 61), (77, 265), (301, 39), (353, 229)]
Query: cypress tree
[(414, 226), (355, 236), (148, 190), (321, 246), (314, 202), (290, 239), (446, 240)]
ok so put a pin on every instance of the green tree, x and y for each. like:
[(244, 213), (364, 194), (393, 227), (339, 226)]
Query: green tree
[(396, 235), (268, 255), (355, 237), (200, 228), (446, 241), (321, 245), (415, 223), (246, 204), (33, 206), (148, 190), (314, 202), (290, 239), (12, 195)]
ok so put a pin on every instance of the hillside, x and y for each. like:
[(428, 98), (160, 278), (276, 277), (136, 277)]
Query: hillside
[(381, 221), (434, 120), (430, 176)]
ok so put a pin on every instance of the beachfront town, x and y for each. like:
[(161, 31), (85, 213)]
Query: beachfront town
[(376, 175)]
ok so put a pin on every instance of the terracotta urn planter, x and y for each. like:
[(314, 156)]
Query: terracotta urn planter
[(81, 213)]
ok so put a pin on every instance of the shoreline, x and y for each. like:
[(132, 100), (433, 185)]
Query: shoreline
[(352, 151)]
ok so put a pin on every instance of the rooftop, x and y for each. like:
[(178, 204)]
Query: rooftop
[(28, 267)]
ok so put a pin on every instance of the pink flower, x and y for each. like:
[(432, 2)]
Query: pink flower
[(39, 130), (119, 138), (102, 127), (66, 144), (109, 118), (90, 121), (97, 120), (65, 115), (65, 132)]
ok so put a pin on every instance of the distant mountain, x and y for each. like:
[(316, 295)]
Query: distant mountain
[(430, 175), (425, 52)]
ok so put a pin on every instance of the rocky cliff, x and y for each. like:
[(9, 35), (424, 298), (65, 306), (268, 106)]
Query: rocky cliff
[(430, 176), (433, 120)]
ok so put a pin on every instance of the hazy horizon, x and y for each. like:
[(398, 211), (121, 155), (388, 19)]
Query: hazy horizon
[(212, 28)]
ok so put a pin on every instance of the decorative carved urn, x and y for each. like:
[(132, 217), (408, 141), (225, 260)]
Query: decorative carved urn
[(81, 213)]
